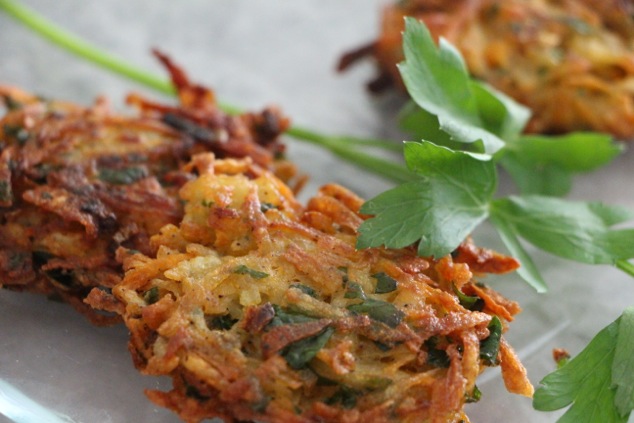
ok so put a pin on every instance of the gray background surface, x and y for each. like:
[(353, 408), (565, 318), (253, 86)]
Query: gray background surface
[(255, 53)]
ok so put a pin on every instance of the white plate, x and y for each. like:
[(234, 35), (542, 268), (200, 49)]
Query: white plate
[(255, 54)]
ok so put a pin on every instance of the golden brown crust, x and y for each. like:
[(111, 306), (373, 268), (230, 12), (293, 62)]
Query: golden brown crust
[(78, 183), (262, 310), (570, 61)]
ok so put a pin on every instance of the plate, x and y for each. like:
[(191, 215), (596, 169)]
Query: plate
[(56, 366)]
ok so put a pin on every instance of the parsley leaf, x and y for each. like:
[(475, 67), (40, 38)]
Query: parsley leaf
[(438, 81), (588, 381), (527, 270), (573, 230), (579, 151), (439, 210), (500, 113), (623, 364), (536, 178), (421, 124), (545, 164)]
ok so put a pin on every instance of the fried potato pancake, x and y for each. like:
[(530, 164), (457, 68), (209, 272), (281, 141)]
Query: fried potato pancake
[(260, 309), (570, 61), (77, 183)]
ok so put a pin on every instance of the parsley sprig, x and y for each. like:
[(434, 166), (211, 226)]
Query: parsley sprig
[(474, 131)]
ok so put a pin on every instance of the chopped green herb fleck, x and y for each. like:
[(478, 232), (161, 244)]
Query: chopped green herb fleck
[(435, 356), (384, 283), (285, 317), (344, 273), (11, 103), (255, 274), (467, 301), (491, 345), (6, 193), (151, 295), (305, 289), (345, 396), (298, 354), (125, 176), (20, 134), (380, 311), (223, 322), (264, 207), (354, 291), (474, 396)]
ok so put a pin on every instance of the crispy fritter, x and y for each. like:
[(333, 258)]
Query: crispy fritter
[(78, 183), (570, 61), (261, 309)]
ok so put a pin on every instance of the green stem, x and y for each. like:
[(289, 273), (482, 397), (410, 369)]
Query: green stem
[(81, 48), (388, 145), (343, 147), (625, 266), (386, 168)]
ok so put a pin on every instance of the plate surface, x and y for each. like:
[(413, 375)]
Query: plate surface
[(255, 54)]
